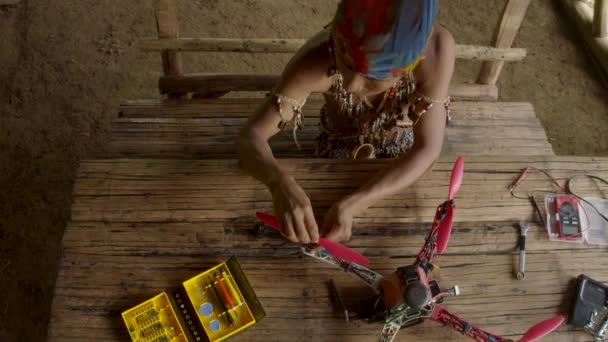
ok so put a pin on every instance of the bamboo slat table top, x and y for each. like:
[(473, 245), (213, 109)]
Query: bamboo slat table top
[(141, 226), (194, 129)]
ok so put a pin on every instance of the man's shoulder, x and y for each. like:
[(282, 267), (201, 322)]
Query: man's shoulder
[(438, 66), (443, 47), (309, 67)]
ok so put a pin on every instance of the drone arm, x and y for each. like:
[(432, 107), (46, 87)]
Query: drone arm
[(425, 256), (369, 277), (446, 318), (389, 332)]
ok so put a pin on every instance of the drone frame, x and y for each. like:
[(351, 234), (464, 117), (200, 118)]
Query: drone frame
[(436, 242)]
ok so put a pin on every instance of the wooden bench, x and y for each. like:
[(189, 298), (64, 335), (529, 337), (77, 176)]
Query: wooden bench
[(140, 226), (208, 129), (175, 84)]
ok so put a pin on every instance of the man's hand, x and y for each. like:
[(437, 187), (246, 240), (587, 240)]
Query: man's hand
[(338, 223), (293, 210)]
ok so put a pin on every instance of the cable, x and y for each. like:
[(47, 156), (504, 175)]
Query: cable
[(524, 173), (569, 190)]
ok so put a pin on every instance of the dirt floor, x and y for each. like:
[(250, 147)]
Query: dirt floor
[(66, 64)]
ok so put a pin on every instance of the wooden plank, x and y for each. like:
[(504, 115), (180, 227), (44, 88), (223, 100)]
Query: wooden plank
[(600, 19), (243, 107), (9, 2), (193, 191), (487, 53), (168, 28), (284, 147), (233, 124), (184, 129), (218, 82), (269, 45), (513, 16), (289, 286), (112, 262), (204, 83), (280, 278), (183, 134), (212, 238), (177, 125), (288, 150)]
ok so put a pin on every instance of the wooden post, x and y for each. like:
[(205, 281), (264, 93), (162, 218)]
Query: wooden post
[(513, 16), (168, 28), (600, 19), (583, 16)]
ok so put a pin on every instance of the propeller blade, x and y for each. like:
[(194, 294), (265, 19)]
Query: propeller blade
[(268, 220), (343, 252), (541, 329), (333, 248), (456, 177), (445, 229)]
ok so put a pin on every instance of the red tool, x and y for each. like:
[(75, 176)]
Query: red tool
[(568, 218), (334, 248)]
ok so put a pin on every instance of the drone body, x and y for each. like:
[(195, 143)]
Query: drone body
[(408, 297)]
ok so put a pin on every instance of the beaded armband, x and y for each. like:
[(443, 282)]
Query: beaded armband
[(297, 121), (420, 104)]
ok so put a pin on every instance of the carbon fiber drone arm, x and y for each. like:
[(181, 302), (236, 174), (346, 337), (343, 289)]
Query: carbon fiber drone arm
[(444, 317), (369, 277), (425, 256), (389, 332)]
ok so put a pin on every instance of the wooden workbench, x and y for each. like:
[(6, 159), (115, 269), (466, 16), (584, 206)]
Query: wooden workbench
[(141, 226), (195, 129)]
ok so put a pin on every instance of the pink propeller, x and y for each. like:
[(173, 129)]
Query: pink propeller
[(456, 177), (445, 226), (541, 329), (334, 248)]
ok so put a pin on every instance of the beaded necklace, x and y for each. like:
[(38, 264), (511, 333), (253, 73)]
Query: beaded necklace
[(389, 110)]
